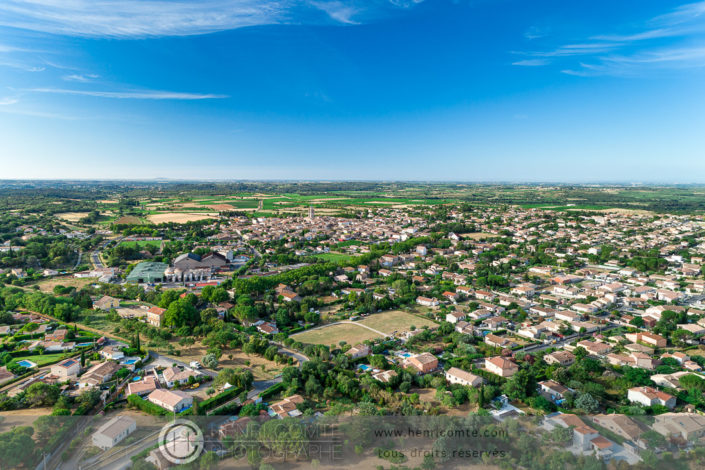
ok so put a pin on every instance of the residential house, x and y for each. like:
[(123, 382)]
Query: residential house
[(619, 424), (155, 316), (687, 426), (174, 375), (423, 363), (113, 432), (143, 387), (359, 351), (287, 407), (646, 337), (553, 391), (66, 369), (174, 401), (427, 302), (106, 303), (501, 366), (455, 317), (648, 396), (112, 352), (459, 376), (98, 374), (563, 358)]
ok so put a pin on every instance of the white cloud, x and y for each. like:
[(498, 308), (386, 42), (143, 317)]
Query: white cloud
[(660, 42), (152, 18), (136, 18), (77, 77), (532, 62), (337, 10), (21, 66), (7, 101), (137, 95)]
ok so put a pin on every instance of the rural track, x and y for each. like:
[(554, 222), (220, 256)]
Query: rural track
[(348, 322)]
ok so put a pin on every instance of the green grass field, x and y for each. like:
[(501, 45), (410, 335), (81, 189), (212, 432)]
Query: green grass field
[(334, 257), (40, 359), (141, 244)]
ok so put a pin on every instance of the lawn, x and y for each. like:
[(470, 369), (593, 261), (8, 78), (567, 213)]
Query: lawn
[(334, 334), (40, 359), (141, 244), (334, 257), (396, 320)]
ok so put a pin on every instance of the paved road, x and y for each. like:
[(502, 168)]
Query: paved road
[(168, 361), (95, 254), (78, 261)]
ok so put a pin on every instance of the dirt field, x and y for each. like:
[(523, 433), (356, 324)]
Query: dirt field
[(221, 207), (108, 201), (239, 361), (10, 419), (395, 320), (66, 281), (477, 236), (72, 216), (128, 220), (334, 334), (177, 217)]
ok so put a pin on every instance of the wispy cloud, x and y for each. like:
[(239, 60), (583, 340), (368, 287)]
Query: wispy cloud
[(532, 62), (7, 101), (151, 18), (535, 32), (18, 65), (659, 42), (77, 77), (338, 10), (136, 95)]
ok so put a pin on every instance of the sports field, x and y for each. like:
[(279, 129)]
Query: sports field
[(396, 320), (353, 333), (334, 334)]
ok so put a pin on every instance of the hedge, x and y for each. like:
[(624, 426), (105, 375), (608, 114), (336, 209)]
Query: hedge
[(272, 390), (217, 400), (146, 406)]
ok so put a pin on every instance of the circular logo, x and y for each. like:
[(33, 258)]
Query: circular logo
[(181, 441)]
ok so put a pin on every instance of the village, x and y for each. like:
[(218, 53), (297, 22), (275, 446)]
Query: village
[(593, 321)]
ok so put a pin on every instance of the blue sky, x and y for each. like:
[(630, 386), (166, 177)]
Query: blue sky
[(463, 90)]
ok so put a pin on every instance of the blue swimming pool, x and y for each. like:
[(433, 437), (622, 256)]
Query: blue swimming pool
[(80, 345), (27, 364), (130, 361), (364, 367)]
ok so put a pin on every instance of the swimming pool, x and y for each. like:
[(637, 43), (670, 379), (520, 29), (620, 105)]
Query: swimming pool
[(80, 345), (27, 364), (130, 361), (364, 367)]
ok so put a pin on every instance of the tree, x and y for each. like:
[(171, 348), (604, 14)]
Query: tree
[(17, 447), (587, 403), (520, 385), (41, 394), (209, 461), (181, 312), (210, 360), (168, 296)]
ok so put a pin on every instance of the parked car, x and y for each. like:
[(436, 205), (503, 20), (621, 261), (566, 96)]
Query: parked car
[(195, 364)]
